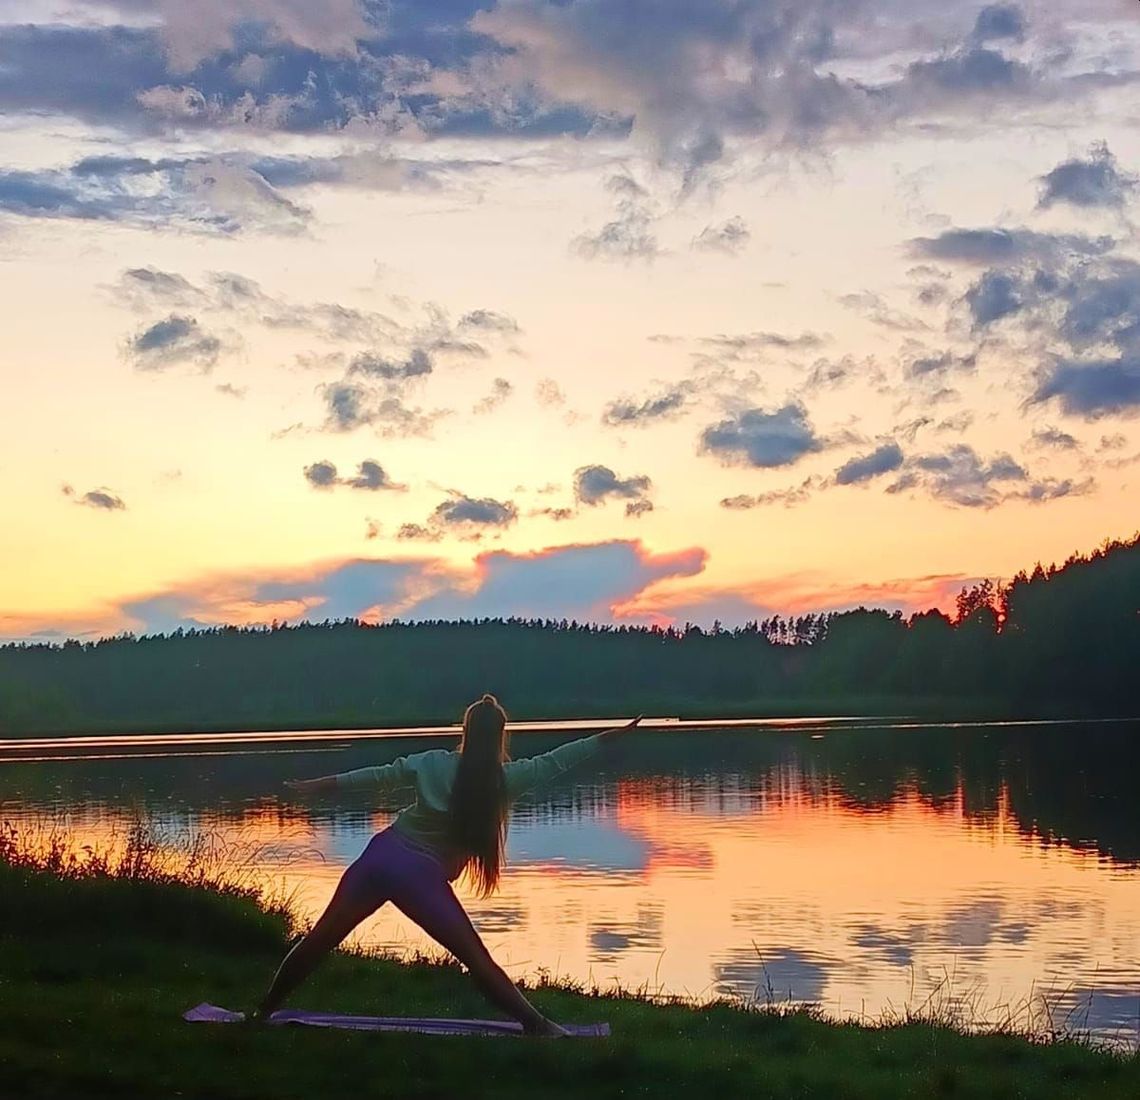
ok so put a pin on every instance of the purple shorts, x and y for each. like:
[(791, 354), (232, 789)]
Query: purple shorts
[(391, 868)]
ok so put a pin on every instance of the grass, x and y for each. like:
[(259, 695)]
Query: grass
[(99, 956)]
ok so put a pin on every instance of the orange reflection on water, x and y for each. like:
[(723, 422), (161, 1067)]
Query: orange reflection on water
[(713, 886)]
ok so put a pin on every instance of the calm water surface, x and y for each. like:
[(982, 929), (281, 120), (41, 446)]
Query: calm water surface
[(864, 866)]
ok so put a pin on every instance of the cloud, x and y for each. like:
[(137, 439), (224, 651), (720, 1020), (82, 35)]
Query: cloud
[(590, 583), (501, 389), (875, 309), (629, 411), (417, 532), (321, 475), (1005, 246), (797, 494), (148, 288), (416, 365), (961, 477), (102, 500), (882, 460), (556, 514), (595, 484), (208, 195), (1090, 182), (350, 405), (997, 21), (370, 476), (175, 340), (731, 237), (690, 84), (467, 517), (1091, 389), (762, 438), (488, 320), (940, 363), (465, 513), (629, 236), (746, 344), (995, 295), (215, 27), (1053, 439)]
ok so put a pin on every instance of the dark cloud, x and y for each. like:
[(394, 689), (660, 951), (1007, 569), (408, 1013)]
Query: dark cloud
[(321, 475), (467, 512), (880, 461), (941, 363), (595, 484), (637, 508), (1088, 182), (556, 514), (961, 477), (1054, 439), (628, 411), (416, 365), (997, 21), (691, 80), (995, 295), (762, 438), (351, 405), (1005, 246), (174, 340), (371, 476), (1092, 389), (346, 406), (102, 500), (1101, 305), (969, 72), (731, 236)]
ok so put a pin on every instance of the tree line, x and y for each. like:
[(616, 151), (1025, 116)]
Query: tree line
[(1058, 638)]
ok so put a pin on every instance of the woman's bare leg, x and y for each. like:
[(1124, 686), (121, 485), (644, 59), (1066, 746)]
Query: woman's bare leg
[(440, 914), (348, 907)]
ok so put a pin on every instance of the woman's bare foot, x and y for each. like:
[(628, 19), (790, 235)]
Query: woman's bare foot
[(546, 1029)]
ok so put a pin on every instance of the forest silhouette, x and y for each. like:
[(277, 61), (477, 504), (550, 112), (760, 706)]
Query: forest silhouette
[(1057, 639)]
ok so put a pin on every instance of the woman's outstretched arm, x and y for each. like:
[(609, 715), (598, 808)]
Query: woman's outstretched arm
[(388, 775), (534, 771)]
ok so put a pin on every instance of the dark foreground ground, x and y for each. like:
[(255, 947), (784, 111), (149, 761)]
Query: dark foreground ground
[(96, 968)]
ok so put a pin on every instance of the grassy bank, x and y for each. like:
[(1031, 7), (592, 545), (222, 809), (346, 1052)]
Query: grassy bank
[(98, 960)]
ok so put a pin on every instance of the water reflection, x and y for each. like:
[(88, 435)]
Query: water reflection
[(861, 870)]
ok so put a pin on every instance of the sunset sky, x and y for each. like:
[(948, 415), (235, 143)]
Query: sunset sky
[(626, 310)]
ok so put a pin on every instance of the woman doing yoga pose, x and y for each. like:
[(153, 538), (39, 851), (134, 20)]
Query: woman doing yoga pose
[(457, 824)]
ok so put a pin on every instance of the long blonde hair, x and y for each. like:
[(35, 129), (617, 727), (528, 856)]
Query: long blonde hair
[(477, 812)]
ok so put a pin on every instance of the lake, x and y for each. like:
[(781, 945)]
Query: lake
[(865, 865)]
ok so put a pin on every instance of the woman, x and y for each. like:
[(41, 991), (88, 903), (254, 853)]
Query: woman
[(457, 824)]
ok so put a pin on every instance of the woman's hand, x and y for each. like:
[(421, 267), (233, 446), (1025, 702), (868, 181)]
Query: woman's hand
[(621, 731)]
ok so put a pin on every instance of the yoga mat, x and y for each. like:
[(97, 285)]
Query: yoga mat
[(211, 1014)]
